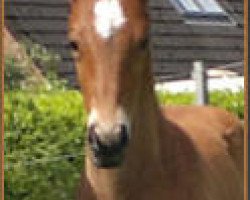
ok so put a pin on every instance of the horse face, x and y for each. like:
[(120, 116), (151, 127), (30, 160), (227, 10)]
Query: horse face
[(110, 40)]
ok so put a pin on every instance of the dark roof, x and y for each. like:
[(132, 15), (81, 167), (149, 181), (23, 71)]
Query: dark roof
[(175, 45)]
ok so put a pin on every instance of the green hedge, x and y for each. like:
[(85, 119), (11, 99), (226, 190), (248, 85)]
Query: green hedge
[(44, 134), (41, 131), (231, 101)]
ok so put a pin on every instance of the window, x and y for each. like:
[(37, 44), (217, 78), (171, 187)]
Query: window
[(202, 11)]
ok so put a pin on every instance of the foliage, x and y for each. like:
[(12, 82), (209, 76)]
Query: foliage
[(168, 98), (18, 72), (42, 56), (44, 134), (43, 145), (49, 60), (231, 101), (13, 76)]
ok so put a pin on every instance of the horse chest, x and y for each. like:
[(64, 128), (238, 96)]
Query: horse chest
[(145, 191), (150, 194)]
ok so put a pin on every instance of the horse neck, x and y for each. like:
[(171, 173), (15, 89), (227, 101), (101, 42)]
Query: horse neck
[(145, 117)]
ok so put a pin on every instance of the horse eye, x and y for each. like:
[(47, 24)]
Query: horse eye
[(74, 45), (144, 43)]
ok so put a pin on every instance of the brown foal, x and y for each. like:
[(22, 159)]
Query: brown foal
[(135, 149)]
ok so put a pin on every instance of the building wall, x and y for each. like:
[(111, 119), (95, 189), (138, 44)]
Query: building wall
[(175, 45)]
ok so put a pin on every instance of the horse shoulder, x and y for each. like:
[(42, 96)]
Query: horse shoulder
[(216, 138), (210, 123)]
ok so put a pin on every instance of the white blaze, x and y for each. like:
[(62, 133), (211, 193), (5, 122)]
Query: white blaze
[(109, 17)]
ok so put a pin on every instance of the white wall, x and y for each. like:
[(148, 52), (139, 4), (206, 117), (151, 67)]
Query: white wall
[(232, 83)]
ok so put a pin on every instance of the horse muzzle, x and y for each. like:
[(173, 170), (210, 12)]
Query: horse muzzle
[(108, 145)]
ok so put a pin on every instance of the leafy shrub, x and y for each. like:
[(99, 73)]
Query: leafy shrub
[(43, 145), (13, 74), (42, 56), (168, 98), (18, 71), (50, 62), (44, 134), (231, 101)]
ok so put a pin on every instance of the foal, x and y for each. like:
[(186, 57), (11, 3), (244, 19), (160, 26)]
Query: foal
[(135, 149)]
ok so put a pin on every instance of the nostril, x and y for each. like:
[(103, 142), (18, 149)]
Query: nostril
[(124, 135), (92, 135), (94, 139)]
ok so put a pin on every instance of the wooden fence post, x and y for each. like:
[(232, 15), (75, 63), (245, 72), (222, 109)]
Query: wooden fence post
[(200, 78)]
